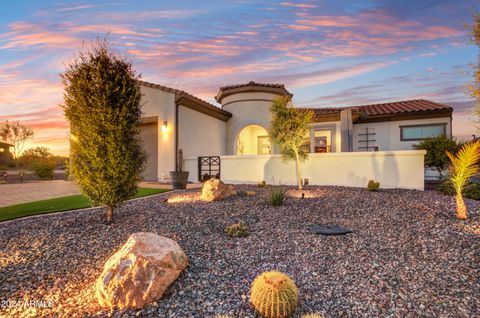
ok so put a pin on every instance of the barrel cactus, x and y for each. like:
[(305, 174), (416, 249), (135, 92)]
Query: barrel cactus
[(312, 316), (274, 295), (237, 230)]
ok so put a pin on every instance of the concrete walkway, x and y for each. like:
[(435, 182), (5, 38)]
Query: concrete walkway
[(16, 193)]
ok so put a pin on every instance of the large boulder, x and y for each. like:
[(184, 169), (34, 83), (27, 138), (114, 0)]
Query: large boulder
[(140, 271), (214, 190)]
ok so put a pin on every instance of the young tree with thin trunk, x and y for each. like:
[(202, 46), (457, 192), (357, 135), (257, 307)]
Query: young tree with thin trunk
[(102, 105), (289, 129), (465, 164), (16, 134)]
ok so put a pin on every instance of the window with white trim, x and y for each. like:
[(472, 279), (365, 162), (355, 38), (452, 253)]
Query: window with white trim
[(420, 132)]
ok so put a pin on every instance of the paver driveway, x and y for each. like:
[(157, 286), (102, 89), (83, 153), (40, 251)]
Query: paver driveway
[(35, 190)]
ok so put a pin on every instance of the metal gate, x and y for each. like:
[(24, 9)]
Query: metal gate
[(208, 167)]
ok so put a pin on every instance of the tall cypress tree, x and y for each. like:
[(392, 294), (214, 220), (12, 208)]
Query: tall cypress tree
[(102, 104)]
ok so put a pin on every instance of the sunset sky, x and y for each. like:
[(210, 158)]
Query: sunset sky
[(328, 53)]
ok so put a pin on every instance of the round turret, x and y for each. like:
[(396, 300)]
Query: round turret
[(250, 105)]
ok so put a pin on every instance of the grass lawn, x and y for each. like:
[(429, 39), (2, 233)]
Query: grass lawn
[(71, 202)]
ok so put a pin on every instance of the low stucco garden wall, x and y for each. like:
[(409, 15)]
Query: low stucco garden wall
[(393, 169)]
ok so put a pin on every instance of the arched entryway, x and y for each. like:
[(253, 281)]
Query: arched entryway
[(253, 140)]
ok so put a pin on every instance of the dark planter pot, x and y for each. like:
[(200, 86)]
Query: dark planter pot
[(179, 179)]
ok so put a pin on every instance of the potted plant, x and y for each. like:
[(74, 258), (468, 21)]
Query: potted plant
[(179, 177)]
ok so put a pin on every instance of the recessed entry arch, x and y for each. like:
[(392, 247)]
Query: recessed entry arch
[(252, 140)]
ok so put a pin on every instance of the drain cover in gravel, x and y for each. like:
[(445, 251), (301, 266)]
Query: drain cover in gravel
[(326, 229)]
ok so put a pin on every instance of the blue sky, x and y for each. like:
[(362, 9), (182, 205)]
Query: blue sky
[(328, 53)]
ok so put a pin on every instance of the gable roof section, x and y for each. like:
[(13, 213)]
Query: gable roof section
[(409, 109), (190, 101), (251, 87)]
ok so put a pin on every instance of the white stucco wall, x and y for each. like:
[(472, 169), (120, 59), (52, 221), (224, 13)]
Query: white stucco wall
[(388, 133), (393, 169), (200, 134), (190, 164), (161, 104), (252, 108)]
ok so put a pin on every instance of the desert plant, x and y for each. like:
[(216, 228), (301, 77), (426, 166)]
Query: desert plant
[(312, 316), (464, 166), (274, 295), (237, 230), (223, 316), (262, 184), (436, 148), (289, 128), (276, 196), (373, 186), (102, 104)]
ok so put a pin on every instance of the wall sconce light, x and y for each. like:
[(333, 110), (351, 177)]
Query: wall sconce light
[(165, 127)]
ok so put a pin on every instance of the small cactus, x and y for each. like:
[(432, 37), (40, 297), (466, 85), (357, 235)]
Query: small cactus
[(274, 295), (237, 230), (373, 186), (262, 184), (312, 316)]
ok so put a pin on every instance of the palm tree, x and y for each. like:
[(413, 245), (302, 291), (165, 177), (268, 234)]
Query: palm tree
[(464, 166)]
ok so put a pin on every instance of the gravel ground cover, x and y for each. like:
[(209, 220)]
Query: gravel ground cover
[(407, 257)]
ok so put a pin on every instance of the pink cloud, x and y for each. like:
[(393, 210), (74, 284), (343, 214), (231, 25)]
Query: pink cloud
[(107, 28), (298, 5), (329, 75), (373, 32), (302, 27)]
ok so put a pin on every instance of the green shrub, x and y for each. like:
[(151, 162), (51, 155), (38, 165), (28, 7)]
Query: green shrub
[(237, 230), (262, 184), (471, 190), (43, 168), (276, 196), (436, 148), (373, 186)]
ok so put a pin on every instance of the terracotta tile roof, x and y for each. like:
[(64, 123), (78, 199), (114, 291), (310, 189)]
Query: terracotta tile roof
[(385, 109), (251, 86), (180, 95), (252, 83), (408, 106)]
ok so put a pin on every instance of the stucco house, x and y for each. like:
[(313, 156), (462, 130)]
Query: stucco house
[(210, 135)]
